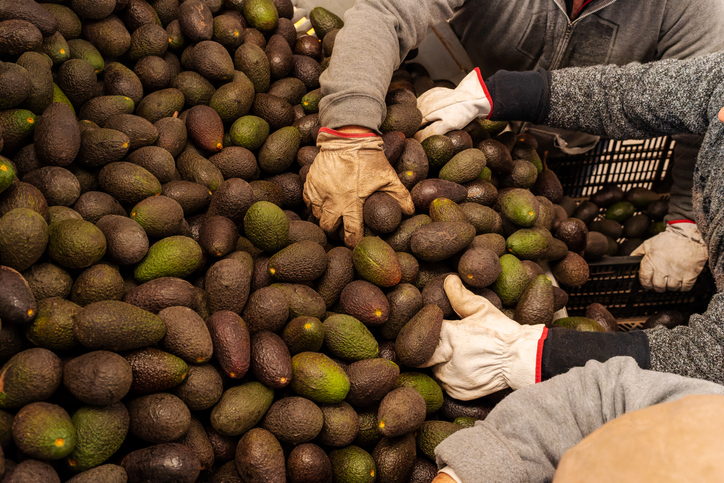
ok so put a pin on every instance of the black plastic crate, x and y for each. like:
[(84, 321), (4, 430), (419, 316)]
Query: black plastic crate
[(614, 284), (627, 164)]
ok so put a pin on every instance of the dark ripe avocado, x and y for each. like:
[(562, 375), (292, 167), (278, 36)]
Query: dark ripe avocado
[(607, 196), (228, 283), (160, 216), (156, 161), (440, 240), (212, 60), (574, 233), (23, 238), (307, 463), (108, 473), (582, 324), (232, 345), (627, 246), (99, 378), (497, 156), (162, 463), (31, 470), (159, 104), (658, 209), (102, 146), (16, 81), (57, 136), (370, 380), (155, 370), (412, 166), (641, 197), (341, 425), (417, 340), (101, 281), (481, 191), (271, 362), (300, 230), (479, 267), (572, 270), (400, 117), (17, 302), (241, 408), (401, 412), (196, 439), (610, 228), (126, 240), (536, 303), (422, 470), (266, 309), (586, 212), (30, 375), (158, 418), (41, 78), (118, 326), (307, 70), (280, 57), (365, 301), (394, 458), (187, 335), (30, 12), (205, 128), (196, 20), (597, 246), (259, 456), (405, 300), (148, 39), (218, 235), (293, 420), (193, 197), (48, 280), (201, 389), (395, 143), (399, 239), (667, 318), (140, 132), (600, 314), (427, 190)]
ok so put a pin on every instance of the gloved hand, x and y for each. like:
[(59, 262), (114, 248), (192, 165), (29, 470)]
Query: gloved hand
[(485, 351), (347, 170), (672, 259), (450, 109)]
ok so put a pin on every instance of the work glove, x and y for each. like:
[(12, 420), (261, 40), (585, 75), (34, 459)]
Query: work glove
[(672, 259), (450, 109), (485, 351), (347, 170)]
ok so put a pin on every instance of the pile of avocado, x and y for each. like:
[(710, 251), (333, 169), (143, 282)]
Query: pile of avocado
[(618, 221), (170, 311)]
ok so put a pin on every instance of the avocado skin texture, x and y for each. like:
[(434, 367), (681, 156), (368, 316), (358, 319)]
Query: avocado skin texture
[(151, 463), (241, 408), (259, 457), (317, 377), (535, 305), (173, 256), (18, 304), (100, 432), (417, 340), (394, 458), (43, 431)]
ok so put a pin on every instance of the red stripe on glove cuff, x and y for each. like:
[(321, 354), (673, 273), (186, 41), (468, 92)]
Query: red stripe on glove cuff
[(348, 134), (539, 355), (673, 222), (485, 90)]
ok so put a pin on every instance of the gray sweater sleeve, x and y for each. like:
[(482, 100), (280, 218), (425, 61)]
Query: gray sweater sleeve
[(526, 434), (376, 37)]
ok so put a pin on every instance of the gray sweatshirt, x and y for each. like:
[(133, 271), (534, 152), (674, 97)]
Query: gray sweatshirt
[(524, 437), (506, 34)]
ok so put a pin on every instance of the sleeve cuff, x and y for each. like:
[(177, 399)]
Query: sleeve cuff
[(451, 473), (352, 111), (519, 96)]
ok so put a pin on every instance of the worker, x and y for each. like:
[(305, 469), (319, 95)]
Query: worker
[(497, 34), (601, 423), (486, 351)]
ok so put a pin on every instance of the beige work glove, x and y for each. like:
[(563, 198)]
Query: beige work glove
[(485, 351), (347, 170), (673, 259), (450, 109)]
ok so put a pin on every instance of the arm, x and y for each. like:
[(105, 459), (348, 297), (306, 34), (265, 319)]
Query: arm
[(376, 37), (691, 28), (525, 436)]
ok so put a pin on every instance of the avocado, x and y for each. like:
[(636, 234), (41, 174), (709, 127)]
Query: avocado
[(418, 338), (187, 335), (228, 283), (28, 376), (160, 104), (228, 30), (317, 377), (432, 433), (252, 61), (38, 66), (259, 456), (192, 166), (587, 212), (293, 420), (394, 458), (266, 309), (607, 195), (159, 216), (218, 235), (15, 80), (158, 418), (422, 470), (232, 346), (148, 39), (128, 182), (30, 470), (196, 439), (18, 127), (428, 388), (440, 240), (115, 325), (427, 190), (100, 432), (196, 20), (119, 80), (193, 197), (59, 186), (574, 233), (657, 209), (572, 270), (527, 244), (597, 246), (443, 209), (155, 73), (126, 241), (348, 338), (173, 256), (57, 136), (201, 389), (84, 50), (271, 361), (43, 431), (519, 206), (47, 280), (620, 211), (512, 280), (352, 463), (277, 112), (667, 318), (108, 473), (23, 238), (30, 12), (155, 370), (98, 282), (483, 218), (600, 314), (100, 378), (366, 302), (434, 293), (536, 303), (340, 271), (279, 149), (464, 166), (266, 226), (641, 197), (403, 118), (280, 55), (157, 161), (302, 300), (402, 411), (299, 262), (582, 324), (399, 239), (439, 150), (241, 408), (77, 79), (404, 302), (303, 334), (152, 464), (308, 462), (479, 267), (610, 228)]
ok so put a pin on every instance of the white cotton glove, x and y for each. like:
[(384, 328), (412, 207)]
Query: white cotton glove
[(485, 351), (346, 171), (450, 109), (672, 259)]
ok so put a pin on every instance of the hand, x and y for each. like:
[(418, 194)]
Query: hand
[(347, 170), (450, 109), (443, 478), (485, 351), (672, 259)]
